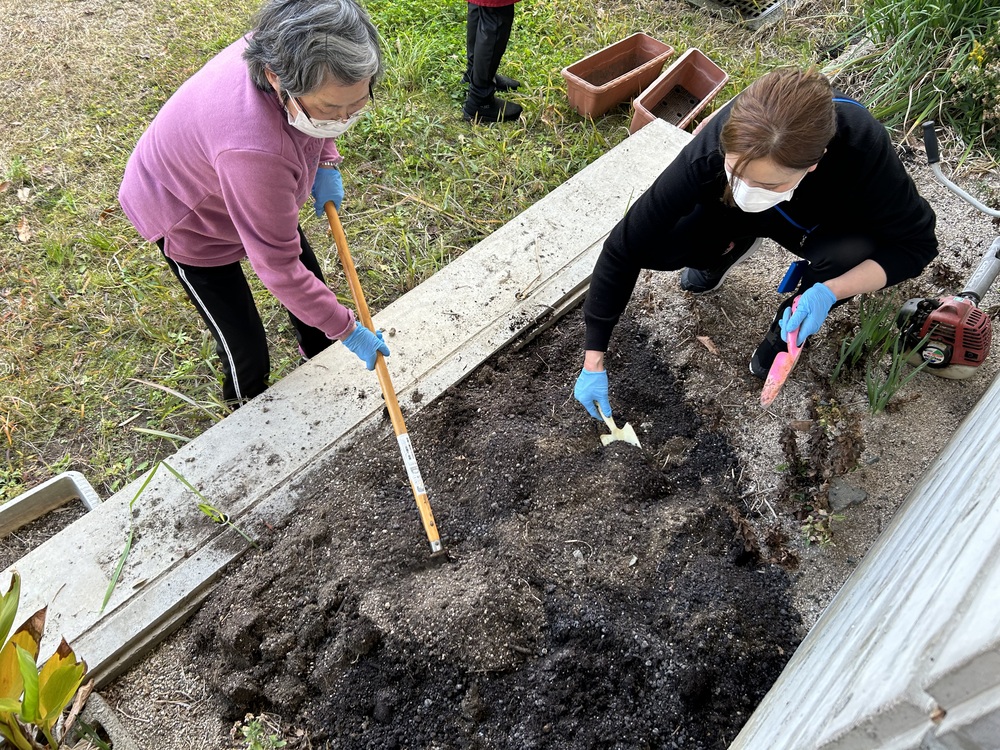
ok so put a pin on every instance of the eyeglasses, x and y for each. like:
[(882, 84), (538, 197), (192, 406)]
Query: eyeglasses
[(349, 120)]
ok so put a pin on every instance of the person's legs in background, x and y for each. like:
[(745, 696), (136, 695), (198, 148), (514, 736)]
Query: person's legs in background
[(487, 34), (502, 82)]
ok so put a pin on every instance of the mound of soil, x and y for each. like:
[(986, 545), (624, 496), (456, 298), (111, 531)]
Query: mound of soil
[(590, 596)]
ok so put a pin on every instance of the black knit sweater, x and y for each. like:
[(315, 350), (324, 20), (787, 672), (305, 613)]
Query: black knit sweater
[(859, 187)]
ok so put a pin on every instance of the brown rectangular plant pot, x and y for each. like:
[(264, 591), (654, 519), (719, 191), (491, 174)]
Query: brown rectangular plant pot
[(614, 74), (680, 92)]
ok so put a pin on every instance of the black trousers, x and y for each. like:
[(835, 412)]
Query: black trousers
[(487, 31), (222, 297), (700, 239)]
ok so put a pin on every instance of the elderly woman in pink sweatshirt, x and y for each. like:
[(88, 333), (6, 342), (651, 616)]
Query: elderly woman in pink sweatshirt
[(222, 171)]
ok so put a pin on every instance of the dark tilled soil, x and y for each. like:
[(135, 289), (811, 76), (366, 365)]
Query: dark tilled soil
[(590, 597)]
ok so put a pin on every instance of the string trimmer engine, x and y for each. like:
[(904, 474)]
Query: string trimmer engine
[(951, 334)]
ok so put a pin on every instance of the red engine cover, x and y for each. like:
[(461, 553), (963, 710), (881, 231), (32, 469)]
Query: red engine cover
[(961, 325)]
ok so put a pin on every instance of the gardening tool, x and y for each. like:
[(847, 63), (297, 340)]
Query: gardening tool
[(625, 433), (388, 392), (782, 366), (951, 334)]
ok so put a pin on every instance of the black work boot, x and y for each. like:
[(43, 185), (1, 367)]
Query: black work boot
[(772, 345), (506, 83), (702, 280), (501, 82), (492, 110)]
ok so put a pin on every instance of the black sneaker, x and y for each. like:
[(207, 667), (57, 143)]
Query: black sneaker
[(771, 346), (501, 82), (702, 280), (495, 110)]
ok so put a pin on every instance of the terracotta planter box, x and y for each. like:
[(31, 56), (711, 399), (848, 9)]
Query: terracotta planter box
[(680, 92), (614, 74)]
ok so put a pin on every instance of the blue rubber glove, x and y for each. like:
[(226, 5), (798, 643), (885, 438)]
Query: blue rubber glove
[(591, 387), (328, 186), (366, 345), (814, 305)]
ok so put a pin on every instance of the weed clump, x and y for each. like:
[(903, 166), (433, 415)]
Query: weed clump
[(831, 447), (932, 57), (877, 350)]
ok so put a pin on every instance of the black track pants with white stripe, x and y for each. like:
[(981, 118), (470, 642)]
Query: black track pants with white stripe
[(223, 298)]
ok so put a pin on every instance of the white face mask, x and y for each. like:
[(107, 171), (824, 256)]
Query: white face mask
[(320, 128), (755, 199)]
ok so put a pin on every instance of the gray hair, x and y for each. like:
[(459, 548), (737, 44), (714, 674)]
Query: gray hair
[(305, 42)]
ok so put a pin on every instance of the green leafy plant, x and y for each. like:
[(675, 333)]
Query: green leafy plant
[(818, 529), (883, 381), (217, 516), (876, 346), (259, 733), (875, 318), (88, 732), (17, 172), (977, 87), (33, 700)]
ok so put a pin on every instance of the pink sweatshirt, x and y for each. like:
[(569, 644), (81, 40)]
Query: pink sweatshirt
[(220, 175)]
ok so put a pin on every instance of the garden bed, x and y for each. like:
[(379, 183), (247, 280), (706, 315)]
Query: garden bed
[(590, 594), (591, 597)]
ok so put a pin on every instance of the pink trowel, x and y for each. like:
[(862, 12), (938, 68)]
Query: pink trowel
[(782, 366), (625, 433)]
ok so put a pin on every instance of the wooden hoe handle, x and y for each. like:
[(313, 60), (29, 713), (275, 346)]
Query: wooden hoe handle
[(388, 392)]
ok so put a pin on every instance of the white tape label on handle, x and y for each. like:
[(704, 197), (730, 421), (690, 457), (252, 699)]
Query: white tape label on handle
[(410, 461)]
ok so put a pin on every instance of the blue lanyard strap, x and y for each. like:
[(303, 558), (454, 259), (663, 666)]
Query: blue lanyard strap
[(845, 100), (793, 222)]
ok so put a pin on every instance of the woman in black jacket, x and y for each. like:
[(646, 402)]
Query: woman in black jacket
[(790, 159)]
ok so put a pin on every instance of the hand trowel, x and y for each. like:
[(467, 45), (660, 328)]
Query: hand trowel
[(782, 366), (625, 433)]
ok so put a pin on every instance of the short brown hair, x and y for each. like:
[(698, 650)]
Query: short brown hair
[(786, 116)]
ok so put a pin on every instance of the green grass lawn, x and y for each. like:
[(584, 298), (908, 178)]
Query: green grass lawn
[(88, 309)]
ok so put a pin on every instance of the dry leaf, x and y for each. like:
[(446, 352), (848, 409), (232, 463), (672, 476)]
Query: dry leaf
[(4, 185), (106, 214), (23, 230), (708, 344)]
